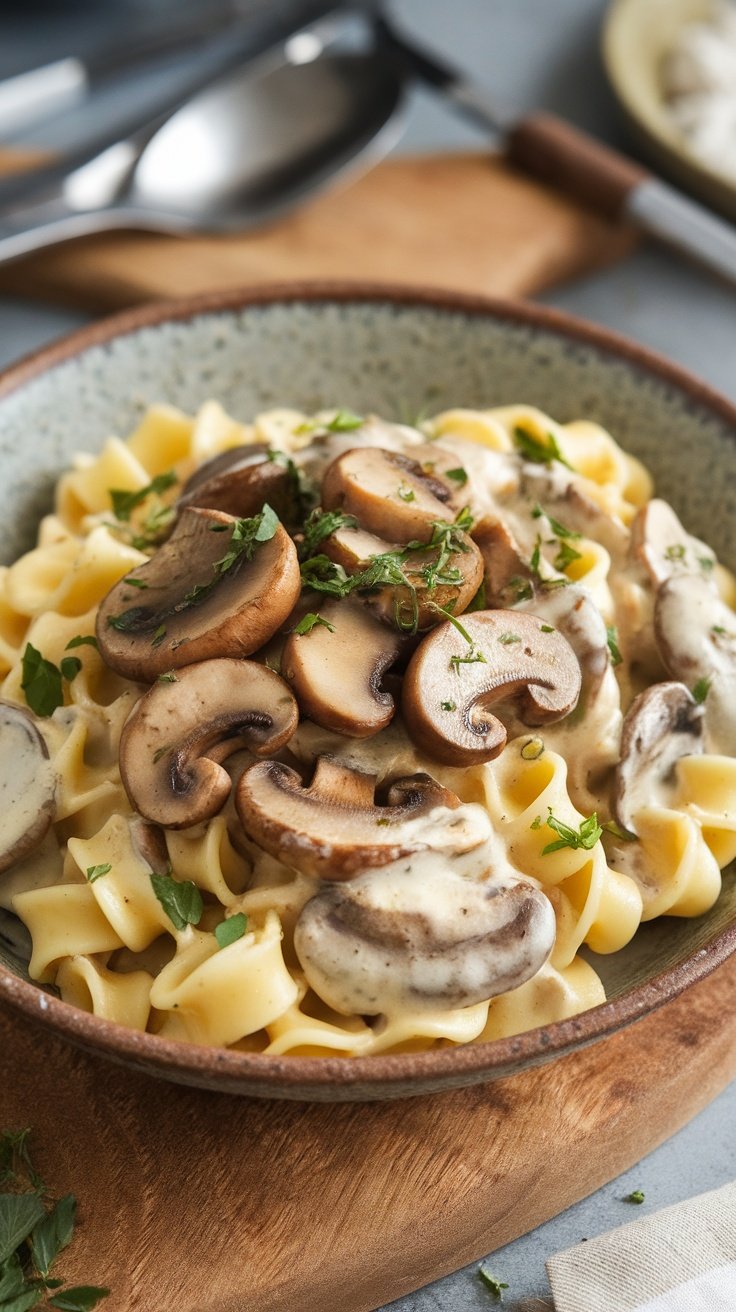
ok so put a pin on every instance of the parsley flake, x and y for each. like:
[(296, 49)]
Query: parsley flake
[(531, 448), (613, 647), (459, 476), (180, 899), (344, 422), (124, 502), (322, 524), (41, 683), (492, 1283), (169, 677), (675, 552), (557, 528), (546, 628), (636, 1197), (82, 640), (158, 636), (406, 493), (701, 690), (611, 827), (585, 837), (96, 872), (231, 929), (507, 638), (309, 622), (448, 706)]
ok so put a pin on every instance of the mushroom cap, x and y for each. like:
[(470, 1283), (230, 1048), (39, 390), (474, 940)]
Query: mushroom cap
[(389, 494), (27, 785), (503, 561), (334, 828), (663, 546), (337, 674), (573, 612), (156, 624), (450, 685), (663, 724), (239, 482), (429, 939), (696, 636), (177, 735)]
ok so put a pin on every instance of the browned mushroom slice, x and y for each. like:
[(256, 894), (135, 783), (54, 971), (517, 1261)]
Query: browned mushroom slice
[(429, 940), (27, 785), (663, 546), (573, 612), (507, 574), (214, 589), (178, 734), (334, 828), (336, 669), (388, 493), (240, 481), (696, 637), (558, 490), (663, 724), (459, 672), (437, 579)]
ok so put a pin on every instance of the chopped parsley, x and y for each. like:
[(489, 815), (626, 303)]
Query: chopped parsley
[(124, 503), (531, 448), (701, 690), (448, 706), (180, 899), (458, 476), (611, 827), (309, 622), (344, 422), (82, 640), (169, 677), (585, 837), (96, 872), (42, 681), (507, 638), (231, 929), (613, 647), (158, 636), (546, 628), (675, 552), (565, 556), (494, 1286), (522, 588), (162, 752), (636, 1197), (557, 528), (406, 493), (479, 601), (322, 524), (246, 533)]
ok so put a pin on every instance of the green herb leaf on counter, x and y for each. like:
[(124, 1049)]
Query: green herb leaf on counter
[(701, 690), (124, 502), (585, 837), (180, 899), (492, 1283), (53, 1233), (531, 448), (79, 1298), (41, 683), (82, 640), (96, 872), (613, 647), (636, 1197), (309, 622), (231, 929)]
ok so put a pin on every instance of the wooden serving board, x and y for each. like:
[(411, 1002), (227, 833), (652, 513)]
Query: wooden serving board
[(469, 222), (199, 1202)]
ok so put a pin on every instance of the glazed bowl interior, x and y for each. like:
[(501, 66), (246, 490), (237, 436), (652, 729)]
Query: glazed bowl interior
[(398, 354)]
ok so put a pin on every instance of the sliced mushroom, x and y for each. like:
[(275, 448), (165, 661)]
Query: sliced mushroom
[(388, 493), (696, 637), (664, 547), (558, 489), (663, 724), (452, 681), (334, 828), (240, 481), (508, 576), (336, 671), (422, 940), (178, 734), (574, 614), (418, 604), (184, 605), (27, 785)]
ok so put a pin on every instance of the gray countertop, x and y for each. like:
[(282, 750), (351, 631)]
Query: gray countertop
[(531, 52)]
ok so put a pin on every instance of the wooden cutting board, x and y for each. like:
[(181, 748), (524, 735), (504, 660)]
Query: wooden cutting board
[(465, 221), (200, 1202)]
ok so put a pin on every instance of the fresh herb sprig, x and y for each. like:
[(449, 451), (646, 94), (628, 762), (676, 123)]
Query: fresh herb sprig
[(585, 837), (43, 682), (124, 502), (537, 451), (34, 1231)]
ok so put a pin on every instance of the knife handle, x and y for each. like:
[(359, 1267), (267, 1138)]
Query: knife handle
[(555, 152)]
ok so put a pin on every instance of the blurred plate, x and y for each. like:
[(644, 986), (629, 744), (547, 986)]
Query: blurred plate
[(636, 36)]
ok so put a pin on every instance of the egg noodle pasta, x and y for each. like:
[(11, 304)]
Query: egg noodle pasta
[(324, 735)]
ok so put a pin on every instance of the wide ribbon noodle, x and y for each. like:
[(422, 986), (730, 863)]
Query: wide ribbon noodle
[(581, 813)]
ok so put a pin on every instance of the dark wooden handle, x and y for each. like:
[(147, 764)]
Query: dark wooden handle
[(566, 158)]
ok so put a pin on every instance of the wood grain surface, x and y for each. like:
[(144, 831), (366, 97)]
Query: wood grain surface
[(200, 1202), (464, 221)]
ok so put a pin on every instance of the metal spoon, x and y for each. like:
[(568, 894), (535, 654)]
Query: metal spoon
[(236, 155)]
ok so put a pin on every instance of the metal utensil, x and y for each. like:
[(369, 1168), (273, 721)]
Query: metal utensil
[(236, 155), (558, 153)]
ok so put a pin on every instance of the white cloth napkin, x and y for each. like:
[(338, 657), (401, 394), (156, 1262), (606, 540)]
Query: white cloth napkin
[(682, 1259)]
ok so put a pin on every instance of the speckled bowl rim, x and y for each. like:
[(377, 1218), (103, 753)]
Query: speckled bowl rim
[(382, 1076)]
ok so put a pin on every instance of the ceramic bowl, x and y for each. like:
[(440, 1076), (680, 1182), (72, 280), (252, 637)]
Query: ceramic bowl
[(636, 36), (395, 352)]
